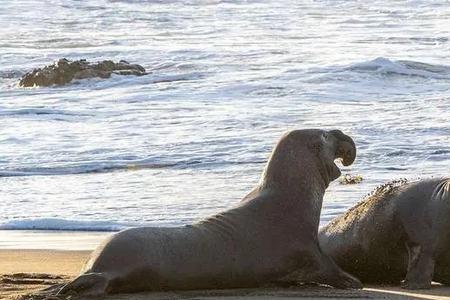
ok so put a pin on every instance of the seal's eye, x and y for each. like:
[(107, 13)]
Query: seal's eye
[(325, 136)]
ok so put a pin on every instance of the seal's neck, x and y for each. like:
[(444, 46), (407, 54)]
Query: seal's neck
[(287, 170), (298, 180)]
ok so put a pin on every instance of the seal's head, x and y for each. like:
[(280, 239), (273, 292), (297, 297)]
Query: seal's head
[(335, 145), (309, 152)]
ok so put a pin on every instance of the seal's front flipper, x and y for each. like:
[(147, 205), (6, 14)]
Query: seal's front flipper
[(89, 284), (321, 269), (338, 279), (332, 275), (341, 280), (329, 273), (420, 267), (421, 245)]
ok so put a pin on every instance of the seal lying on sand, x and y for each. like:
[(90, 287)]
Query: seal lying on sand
[(402, 228), (271, 234), (64, 71)]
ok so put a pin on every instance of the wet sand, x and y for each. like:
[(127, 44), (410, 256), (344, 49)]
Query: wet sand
[(28, 271)]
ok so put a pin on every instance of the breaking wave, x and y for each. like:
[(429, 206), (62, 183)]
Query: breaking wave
[(386, 66), (119, 165)]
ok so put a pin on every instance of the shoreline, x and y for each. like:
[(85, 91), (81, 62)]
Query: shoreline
[(52, 239), (27, 271)]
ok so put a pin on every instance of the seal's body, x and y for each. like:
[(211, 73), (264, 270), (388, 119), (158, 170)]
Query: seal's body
[(402, 228), (270, 235)]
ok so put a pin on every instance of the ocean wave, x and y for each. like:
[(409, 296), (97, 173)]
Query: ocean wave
[(83, 168), (39, 111), (63, 224), (120, 80), (177, 77), (386, 66), (118, 165), (10, 73)]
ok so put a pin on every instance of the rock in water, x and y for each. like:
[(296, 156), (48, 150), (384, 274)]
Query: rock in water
[(64, 71)]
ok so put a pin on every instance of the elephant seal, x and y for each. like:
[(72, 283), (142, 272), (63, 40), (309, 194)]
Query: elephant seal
[(270, 234), (400, 231)]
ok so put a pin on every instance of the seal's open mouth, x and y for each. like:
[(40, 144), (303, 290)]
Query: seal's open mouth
[(345, 152), (345, 148)]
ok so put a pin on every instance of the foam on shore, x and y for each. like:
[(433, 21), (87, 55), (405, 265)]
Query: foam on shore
[(62, 224), (51, 240)]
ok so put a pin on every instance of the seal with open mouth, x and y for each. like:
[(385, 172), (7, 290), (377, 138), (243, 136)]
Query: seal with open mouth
[(270, 235)]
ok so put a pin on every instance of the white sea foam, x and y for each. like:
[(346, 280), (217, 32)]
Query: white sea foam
[(61, 224)]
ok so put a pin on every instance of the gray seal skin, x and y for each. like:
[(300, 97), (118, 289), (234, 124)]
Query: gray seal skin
[(400, 231), (270, 235)]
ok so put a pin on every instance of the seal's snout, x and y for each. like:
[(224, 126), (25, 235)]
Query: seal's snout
[(345, 148)]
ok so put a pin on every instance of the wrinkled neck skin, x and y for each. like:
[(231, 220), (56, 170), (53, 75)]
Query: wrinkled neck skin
[(286, 202), (300, 180)]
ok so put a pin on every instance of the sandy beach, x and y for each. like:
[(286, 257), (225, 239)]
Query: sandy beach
[(28, 271)]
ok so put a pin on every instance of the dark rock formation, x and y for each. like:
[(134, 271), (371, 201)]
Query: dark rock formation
[(64, 71)]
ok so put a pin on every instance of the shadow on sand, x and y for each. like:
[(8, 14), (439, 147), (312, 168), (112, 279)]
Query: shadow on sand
[(39, 286)]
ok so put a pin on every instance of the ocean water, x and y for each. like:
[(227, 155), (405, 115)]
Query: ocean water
[(226, 79)]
